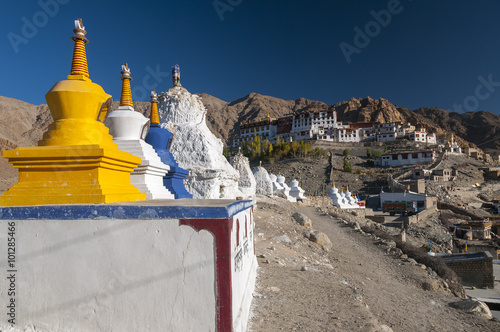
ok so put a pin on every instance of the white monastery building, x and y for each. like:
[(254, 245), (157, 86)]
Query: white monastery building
[(323, 125)]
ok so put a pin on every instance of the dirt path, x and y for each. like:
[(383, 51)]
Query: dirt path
[(356, 286)]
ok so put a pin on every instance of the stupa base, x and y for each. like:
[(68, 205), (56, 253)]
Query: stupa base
[(71, 174), (148, 177), (174, 181)]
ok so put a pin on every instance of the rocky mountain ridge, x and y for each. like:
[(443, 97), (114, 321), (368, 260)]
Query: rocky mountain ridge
[(23, 124)]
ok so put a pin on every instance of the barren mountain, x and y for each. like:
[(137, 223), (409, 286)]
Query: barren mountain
[(481, 128), (23, 124), (224, 117)]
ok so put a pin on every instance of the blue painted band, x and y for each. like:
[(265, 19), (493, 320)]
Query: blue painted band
[(103, 211)]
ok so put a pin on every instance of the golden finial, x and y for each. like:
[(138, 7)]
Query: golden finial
[(155, 119), (79, 63), (333, 184), (126, 97)]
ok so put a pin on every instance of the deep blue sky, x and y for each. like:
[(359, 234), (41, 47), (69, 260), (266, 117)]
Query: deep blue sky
[(430, 54)]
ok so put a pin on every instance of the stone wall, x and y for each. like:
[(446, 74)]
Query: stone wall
[(474, 269)]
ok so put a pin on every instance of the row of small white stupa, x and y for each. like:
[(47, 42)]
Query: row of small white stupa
[(292, 192), (262, 183), (344, 200)]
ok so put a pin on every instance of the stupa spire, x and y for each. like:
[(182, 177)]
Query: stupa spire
[(155, 119), (79, 62), (176, 75), (126, 97)]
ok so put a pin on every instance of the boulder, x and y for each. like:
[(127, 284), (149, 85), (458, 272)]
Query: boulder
[(431, 285), (383, 328), (474, 306), (302, 219), (282, 239), (320, 238)]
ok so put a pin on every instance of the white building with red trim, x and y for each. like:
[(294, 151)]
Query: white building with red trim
[(322, 125), (265, 128), (422, 136)]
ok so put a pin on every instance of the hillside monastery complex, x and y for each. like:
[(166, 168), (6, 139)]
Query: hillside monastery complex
[(323, 126)]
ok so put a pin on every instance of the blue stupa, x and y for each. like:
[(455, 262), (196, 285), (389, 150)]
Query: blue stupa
[(160, 138)]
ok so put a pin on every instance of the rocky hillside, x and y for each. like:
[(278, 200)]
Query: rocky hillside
[(481, 128), (23, 124)]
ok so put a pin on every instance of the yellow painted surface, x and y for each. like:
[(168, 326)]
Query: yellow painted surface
[(155, 119), (76, 160), (126, 95), (71, 174)]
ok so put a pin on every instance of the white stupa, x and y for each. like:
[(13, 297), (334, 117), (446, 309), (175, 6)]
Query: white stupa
[(341, 199), (296, 191), (276, 186), (349, 197), (195, 148), (129, 128), (264, 184), (247, 183), (286, 188)]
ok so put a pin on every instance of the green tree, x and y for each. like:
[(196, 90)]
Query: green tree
[(256, 146), (305, 147), (226, 152), (385, 148), (286, 148), (347, 166), (377, 154), (265, 146), (368, 153), (294, 146), (270, 149), (346, 152), (245, 149)]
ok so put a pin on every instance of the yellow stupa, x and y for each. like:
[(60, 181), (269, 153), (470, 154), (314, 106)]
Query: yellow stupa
[(76, 161)]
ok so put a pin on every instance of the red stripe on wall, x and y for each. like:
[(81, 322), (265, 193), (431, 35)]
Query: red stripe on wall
[(221, 229)]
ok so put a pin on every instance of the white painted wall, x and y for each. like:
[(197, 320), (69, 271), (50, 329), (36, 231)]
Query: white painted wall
[(243, 267), (113, 275), (403, 197)]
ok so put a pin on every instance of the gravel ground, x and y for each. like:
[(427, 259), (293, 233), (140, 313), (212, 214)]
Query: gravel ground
[(357, 285)]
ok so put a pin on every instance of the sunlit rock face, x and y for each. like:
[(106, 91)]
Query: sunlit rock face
[(195, 148)]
